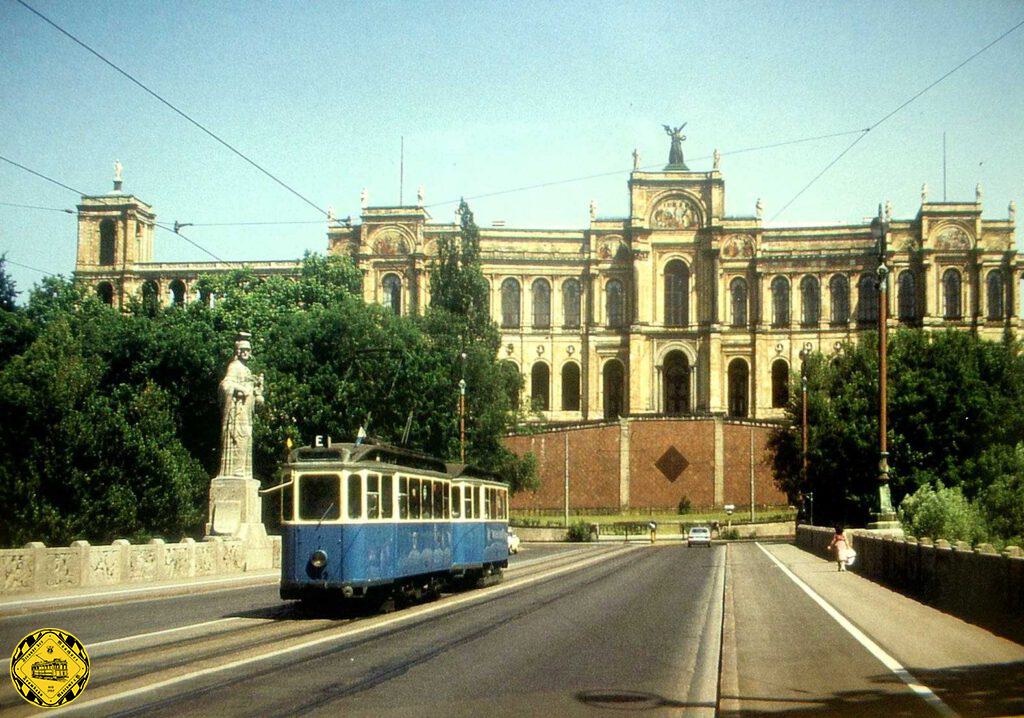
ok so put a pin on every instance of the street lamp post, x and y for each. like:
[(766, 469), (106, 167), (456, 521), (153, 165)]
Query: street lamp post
[(886, 517), (803, 410), (462, 412)]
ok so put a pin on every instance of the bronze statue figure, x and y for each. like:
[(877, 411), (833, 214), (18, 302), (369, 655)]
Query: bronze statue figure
[(675, 154)]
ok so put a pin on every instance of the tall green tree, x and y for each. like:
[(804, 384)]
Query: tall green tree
[(956, 404), (8, 293)]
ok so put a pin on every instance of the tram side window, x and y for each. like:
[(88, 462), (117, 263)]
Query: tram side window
[(414, 498), (373, 496), (446, 494), (355, 496), (456, 502), (319, 497), (387, 490), (469, 502), (403, 497), (502, 504), (439, 500), (427, 511), (486, 503), (288, 503)]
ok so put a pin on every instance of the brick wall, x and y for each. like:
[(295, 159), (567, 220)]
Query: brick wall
[(667, 460)]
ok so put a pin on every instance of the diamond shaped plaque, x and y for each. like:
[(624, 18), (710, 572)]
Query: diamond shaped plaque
[(672, 464)]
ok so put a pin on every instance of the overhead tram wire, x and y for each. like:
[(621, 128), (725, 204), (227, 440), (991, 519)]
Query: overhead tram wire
[(32, 206), (82, 194), (8, 260), (182, 113), (646, 167), (893, 112)]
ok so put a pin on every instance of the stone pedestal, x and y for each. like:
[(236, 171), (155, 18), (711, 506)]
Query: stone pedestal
[(886, 525), (236, 511)]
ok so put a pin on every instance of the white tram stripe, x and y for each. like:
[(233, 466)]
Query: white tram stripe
[(341, 634), (888, 661)]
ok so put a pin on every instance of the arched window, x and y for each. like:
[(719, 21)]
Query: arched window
[(615, 303), (540, 387), (780, 383), (105, 291), (571, 303), (677, 294), (738, 292), (570, 386), (996, 295), (541, 304), (951, 294), (780, 302), (510, 304), (614, 389), (108, 233), (150, 297), (906, 297), (676, 384), (392, 293), (177, 288), (839, 289), (867, 299), (739, 388), (810, 298)]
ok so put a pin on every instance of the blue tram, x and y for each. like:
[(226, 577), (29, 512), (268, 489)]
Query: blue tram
[(364, 520)]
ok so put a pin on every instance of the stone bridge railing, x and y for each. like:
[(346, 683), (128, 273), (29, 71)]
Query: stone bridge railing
[(36, 568), (979, 585)]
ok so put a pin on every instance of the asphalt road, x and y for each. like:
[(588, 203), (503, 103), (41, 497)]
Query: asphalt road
[(572, 630)]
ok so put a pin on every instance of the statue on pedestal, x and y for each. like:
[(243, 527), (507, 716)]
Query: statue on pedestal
[(675, 154), (240, 392)]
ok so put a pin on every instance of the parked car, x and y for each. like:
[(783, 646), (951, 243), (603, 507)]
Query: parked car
[(513, 541), (699, 536)]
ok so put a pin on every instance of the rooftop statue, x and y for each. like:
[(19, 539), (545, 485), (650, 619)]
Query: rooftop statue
[(240, 392), (675, 153)]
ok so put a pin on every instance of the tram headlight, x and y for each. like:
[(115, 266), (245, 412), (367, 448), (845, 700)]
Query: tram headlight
[(318, 559)]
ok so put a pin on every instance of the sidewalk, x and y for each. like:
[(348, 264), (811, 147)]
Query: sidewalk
[(942, 651), (55, 600)]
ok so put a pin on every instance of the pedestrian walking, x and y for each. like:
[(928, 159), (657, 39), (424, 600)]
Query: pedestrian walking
[(841, 546)]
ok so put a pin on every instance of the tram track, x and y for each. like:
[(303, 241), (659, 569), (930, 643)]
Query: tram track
[(139, 665)]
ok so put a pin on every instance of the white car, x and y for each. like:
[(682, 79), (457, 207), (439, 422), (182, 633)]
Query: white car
[(699, 536), (513, 541)]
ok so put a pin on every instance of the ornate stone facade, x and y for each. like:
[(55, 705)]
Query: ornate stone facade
[(676, 309)]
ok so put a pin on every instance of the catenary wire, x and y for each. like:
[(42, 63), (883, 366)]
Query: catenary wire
[(8, 260), (890, 114), (190, 241), (183, 114), (40, 174), (33, 206)]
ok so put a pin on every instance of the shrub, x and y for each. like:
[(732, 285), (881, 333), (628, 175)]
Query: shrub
[(579, 531), (730, 534), (941, 513), (684, 505)]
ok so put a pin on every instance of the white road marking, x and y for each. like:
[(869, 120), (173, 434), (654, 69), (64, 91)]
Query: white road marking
[(888, 661), (342, 634), (254, 579), (153, 634)]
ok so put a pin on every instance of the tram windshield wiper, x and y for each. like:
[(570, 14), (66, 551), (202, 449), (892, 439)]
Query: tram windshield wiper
[(331, 506)]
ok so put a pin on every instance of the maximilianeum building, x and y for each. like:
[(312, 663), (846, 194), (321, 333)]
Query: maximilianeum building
[(678, 309)]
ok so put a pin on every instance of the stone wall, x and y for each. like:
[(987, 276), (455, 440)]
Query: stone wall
[(651, 464), (978, 585), (37, 568)]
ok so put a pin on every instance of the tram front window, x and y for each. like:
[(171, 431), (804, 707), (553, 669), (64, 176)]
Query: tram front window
[(319, 497)]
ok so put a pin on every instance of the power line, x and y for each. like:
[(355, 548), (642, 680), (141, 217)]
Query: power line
[(646, 167), (209, 132), (39, 174), (886, 117), (195, 244), (26, 266), (32, 206), (61, 184)]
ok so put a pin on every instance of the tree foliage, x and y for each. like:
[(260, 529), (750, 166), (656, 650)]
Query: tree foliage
[(112, 421), (956, 406)]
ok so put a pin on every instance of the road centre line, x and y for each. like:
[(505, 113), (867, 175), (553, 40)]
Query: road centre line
[(345, 633), (891, 663), (166, 631)]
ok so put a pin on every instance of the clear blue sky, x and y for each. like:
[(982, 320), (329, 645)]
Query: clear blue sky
[(493, 96)]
